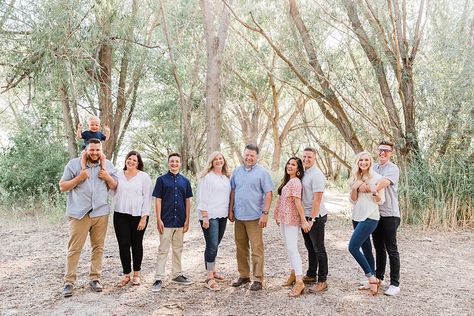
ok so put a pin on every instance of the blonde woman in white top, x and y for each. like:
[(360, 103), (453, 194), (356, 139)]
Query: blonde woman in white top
[(213, 192), (131, 204), (365, 215)]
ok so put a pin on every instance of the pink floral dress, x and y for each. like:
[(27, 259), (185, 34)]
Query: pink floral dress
[(285, 210)]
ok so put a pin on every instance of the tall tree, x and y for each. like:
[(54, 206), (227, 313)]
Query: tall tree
[(215, 44), (399, 51)]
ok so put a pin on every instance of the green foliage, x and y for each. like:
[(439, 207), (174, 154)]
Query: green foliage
[(439, 194), (34, 161)]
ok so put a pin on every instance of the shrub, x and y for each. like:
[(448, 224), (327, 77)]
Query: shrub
[(438, 194), (33, 164)]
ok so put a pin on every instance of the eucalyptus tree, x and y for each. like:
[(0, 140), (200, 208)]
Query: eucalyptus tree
[(446, 82), (173, 95), (396, 30), (215, 31), (92, 53)]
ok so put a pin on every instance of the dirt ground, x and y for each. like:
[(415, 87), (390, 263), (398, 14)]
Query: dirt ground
[(437, 275)]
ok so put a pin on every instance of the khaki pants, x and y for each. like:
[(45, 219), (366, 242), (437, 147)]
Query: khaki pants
[(246, 231), (173, 237), (96, 227)]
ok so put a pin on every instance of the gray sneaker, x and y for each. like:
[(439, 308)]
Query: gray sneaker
[(181, 279), (67, 291), (95, 286), (156, 286)]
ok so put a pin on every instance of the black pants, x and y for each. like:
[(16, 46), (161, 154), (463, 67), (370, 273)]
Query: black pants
[(385, 241), (129, 237), (317, 257)]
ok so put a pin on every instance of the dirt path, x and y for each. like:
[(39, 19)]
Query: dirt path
[(437, 275)]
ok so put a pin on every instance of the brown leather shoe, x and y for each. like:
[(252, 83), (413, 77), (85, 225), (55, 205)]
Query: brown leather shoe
[(291, 279), (240, 281), (319, 287), (256, 286), (308, 279)]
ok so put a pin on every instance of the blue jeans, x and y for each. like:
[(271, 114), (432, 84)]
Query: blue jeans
[(213, 236), (361, 239)]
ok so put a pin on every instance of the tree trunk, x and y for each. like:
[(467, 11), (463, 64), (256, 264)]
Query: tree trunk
[(69, 127), (105, 93), (339, 119), (215, 44)]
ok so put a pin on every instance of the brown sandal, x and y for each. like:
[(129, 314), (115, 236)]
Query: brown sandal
[(212, 285), (136, 280), (298, 289), (377, 287), (125, 281), (218, 277)]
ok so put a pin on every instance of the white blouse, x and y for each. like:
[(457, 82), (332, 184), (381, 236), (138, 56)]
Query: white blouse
[(213, 194), (133, 196), (365, 206)]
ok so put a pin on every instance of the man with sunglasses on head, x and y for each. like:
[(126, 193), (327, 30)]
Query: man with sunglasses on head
[(385, 235)]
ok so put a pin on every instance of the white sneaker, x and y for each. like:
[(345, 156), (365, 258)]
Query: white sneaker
[(392, 290)]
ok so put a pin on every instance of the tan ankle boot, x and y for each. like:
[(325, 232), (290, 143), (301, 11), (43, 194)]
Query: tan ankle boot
[(298, 289), (291, 279)]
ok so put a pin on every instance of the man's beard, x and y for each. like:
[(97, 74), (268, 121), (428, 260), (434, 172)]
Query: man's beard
[(93, 161)]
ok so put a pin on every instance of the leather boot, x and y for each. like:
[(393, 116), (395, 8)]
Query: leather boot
[(291, 279), (298, 289)]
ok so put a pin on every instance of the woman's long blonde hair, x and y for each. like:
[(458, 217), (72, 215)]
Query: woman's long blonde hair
[(208, 167), (356, 173)]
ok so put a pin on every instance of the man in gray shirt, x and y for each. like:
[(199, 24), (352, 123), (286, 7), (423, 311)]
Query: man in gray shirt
[(385, 235), (87, 210), (314, 183)]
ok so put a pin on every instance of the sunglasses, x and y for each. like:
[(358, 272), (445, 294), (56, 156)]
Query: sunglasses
[(383, 150)]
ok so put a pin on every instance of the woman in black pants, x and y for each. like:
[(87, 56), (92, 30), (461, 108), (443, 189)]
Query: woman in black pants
[(131, 204)]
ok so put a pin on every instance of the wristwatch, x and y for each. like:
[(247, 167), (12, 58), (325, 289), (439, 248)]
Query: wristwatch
[(265, 212), (311, 219)]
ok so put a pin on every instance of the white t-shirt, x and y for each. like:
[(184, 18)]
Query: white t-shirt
[(213, 194), (133, 196), (313, 181)]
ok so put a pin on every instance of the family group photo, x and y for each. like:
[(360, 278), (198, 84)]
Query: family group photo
[(237, 157)]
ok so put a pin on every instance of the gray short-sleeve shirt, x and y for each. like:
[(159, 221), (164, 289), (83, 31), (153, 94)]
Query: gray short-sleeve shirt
[(313, 181), (391, 172), (90, 194)]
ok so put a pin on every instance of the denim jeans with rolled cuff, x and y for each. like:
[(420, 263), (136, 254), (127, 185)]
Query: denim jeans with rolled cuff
[(213, 236), (361, 239)]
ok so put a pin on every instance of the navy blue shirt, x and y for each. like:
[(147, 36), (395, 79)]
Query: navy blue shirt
[(173, 190), (86, 135)]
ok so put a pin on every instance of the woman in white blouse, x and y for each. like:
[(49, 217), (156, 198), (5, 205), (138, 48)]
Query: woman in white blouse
[(365, 216), (213, 193), (131, 204)]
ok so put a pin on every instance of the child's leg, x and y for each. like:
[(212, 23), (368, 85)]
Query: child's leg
[(83, 159)]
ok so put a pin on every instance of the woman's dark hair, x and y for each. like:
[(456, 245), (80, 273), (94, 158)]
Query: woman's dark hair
[(299, 173), (139, 158)]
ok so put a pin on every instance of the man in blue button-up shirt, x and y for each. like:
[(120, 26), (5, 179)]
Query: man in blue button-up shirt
[(250, 200), (172, 208), (87, 210)]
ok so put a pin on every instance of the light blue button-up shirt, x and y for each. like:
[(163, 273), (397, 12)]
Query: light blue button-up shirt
[(90, 194), (250, 188)]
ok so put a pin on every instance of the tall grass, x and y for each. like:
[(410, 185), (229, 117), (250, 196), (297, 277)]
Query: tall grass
[(439, 194), (42, 207)]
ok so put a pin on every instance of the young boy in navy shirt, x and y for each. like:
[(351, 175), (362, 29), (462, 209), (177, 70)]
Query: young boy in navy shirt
[(172, 209)]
